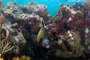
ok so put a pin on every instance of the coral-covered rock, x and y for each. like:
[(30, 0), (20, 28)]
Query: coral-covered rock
[(78, 6), (24, 10), (24, 24), (40, 10), (83, 8), (63, 13), (74, 42), (16, 35), (29, 15)]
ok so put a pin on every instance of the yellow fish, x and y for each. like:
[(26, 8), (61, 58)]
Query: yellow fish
[(41, 33), (86, 30)]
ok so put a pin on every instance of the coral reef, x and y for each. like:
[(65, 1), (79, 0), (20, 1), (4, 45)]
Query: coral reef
[(28, 30)]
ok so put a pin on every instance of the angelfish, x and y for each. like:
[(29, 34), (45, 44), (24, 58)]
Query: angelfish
[(45, 43), (41, 33), (42, 36)]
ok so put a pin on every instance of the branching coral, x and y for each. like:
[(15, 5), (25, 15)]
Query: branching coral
[(5, 46)]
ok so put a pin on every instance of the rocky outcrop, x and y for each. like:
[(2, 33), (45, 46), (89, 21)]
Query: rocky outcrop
[(24, 24), (27, 11)]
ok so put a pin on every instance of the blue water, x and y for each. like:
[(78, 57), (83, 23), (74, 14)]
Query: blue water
[(52, 5)]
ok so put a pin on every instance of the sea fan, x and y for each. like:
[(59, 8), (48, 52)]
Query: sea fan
[(5, 46)]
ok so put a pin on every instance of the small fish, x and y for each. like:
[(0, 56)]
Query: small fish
[(86, 30), (45, 43), (52, 21), (40, 34)]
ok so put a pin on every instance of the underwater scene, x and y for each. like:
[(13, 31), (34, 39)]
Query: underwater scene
[(44, 29)]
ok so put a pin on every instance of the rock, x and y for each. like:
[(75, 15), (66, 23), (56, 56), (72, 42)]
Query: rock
[(64, 12), (40, 10), (24, 23), (78, 7), (30, 8), (16, 35), (74, 44), (83, 8)]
